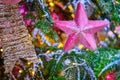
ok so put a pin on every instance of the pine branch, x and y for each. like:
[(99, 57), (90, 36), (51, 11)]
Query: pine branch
[(90, 71), (108, 66)]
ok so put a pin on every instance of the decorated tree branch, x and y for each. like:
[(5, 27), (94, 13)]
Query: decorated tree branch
[(60, 39)]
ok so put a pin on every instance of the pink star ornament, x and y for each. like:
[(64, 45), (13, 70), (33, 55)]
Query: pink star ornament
[(80, 30)]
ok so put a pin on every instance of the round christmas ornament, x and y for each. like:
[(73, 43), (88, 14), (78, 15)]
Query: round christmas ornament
[(28, 22), (23, 10), (16, 43), (16, 70), (10, 1), (110, 76)]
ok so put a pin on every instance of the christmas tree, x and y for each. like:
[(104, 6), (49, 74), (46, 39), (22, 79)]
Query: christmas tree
[(59, 39)]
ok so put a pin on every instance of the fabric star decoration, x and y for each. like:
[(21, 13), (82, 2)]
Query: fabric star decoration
[(80, 30)]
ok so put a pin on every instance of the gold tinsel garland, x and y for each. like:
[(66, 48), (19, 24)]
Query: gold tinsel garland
[(14, 35)]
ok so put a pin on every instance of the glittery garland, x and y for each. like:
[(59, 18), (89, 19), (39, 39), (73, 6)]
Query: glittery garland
[(14, 35), (35, 31), (60, 53)]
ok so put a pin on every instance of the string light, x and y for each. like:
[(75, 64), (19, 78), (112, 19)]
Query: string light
[(74, 64), (1, 50), (30, 37), (115, 31), (72, 15), (60, 45), (119, 36), (51, 4), (81, 46), (48, 51), (28, 63), (116, 2), (20, 71), (70, 8), (33, 73), (99, 12), (87, 49), (106, 39), (40, 59), (51, 58)]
